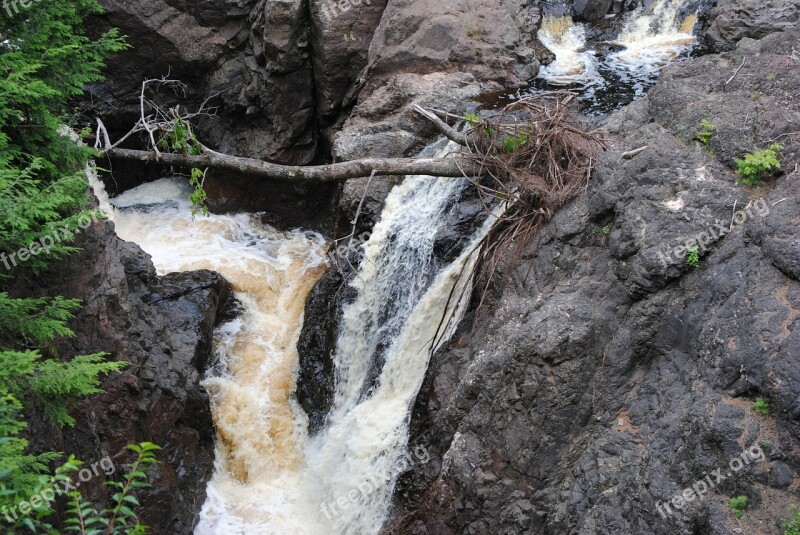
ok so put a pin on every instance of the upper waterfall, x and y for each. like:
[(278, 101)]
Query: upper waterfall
[(648, 39)]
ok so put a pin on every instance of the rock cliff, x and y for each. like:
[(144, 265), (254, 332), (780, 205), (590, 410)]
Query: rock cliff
[(607, 375)]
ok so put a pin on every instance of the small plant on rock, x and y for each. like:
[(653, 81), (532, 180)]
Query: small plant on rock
[(758, 165), (761, 407), (120, 519), (706, 132), (693, 256), (737, 505), (513, 142), (472, 119), (792, 526)]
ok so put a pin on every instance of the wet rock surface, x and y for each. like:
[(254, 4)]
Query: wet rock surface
[(162, 326), (251, 56), (317, 343), (733, 20), (606, 375)]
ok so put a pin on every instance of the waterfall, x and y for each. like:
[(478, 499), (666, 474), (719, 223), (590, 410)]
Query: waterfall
[(402, 295), (650, 38), (574, 64), (270, 476)]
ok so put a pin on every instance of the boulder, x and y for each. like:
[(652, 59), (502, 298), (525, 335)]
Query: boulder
[(733, 20), (593, 9)]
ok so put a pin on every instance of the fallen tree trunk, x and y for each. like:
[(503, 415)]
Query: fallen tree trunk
[(454, 166)]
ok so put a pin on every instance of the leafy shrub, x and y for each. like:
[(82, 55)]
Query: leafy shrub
[(513, 142), (706, 132), (693, 256), (120, 518), (472, 119), (761, 407), (758, 165), (46, 61), (737, 505), (181, 138), (792, 526)]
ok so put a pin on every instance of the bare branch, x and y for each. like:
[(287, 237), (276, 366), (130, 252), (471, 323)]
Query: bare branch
[(437, 167), (444, 128)]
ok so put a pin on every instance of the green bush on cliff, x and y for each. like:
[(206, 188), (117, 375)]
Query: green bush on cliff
[(758, 165), (792, 525), (46, 61)]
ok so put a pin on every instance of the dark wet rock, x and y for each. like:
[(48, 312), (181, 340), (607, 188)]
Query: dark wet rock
[(468, 215), (733, 20), (340, 41), (593, 9), (252, 54), (750, 111), (317, 343), (252, 59), (163, 327), (281, 204), (605, 375)]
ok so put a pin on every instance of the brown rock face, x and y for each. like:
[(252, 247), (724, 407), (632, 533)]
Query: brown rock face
[(340, 37), (251, 56), (491, 39), (162, 326)]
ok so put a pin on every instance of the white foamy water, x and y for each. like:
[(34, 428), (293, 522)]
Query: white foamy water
[(574, 64), (270, 476), (341, 481), (650, 38)]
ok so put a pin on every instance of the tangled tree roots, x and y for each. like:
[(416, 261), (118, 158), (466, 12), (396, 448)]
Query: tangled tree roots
[(535, 155)]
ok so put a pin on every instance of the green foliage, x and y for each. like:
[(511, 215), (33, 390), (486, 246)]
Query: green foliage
[(56, 383), (472, 119), (737, 505), (513, 142), (606, 230), (792, 526), (706, 132), (120, 518), (34, 320), (758, 165), (693, 256), (45, 61), (199, 195), (181, 138), (760, 406)]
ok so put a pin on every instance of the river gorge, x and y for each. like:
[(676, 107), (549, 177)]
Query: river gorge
[(331, 357)]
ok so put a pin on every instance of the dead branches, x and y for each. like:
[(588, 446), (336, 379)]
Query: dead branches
[(535, 156)]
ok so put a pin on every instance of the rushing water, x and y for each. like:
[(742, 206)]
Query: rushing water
[(270, 476), (649, 38)]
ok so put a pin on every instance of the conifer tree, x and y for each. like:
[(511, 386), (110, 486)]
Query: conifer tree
[(45, 62)]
